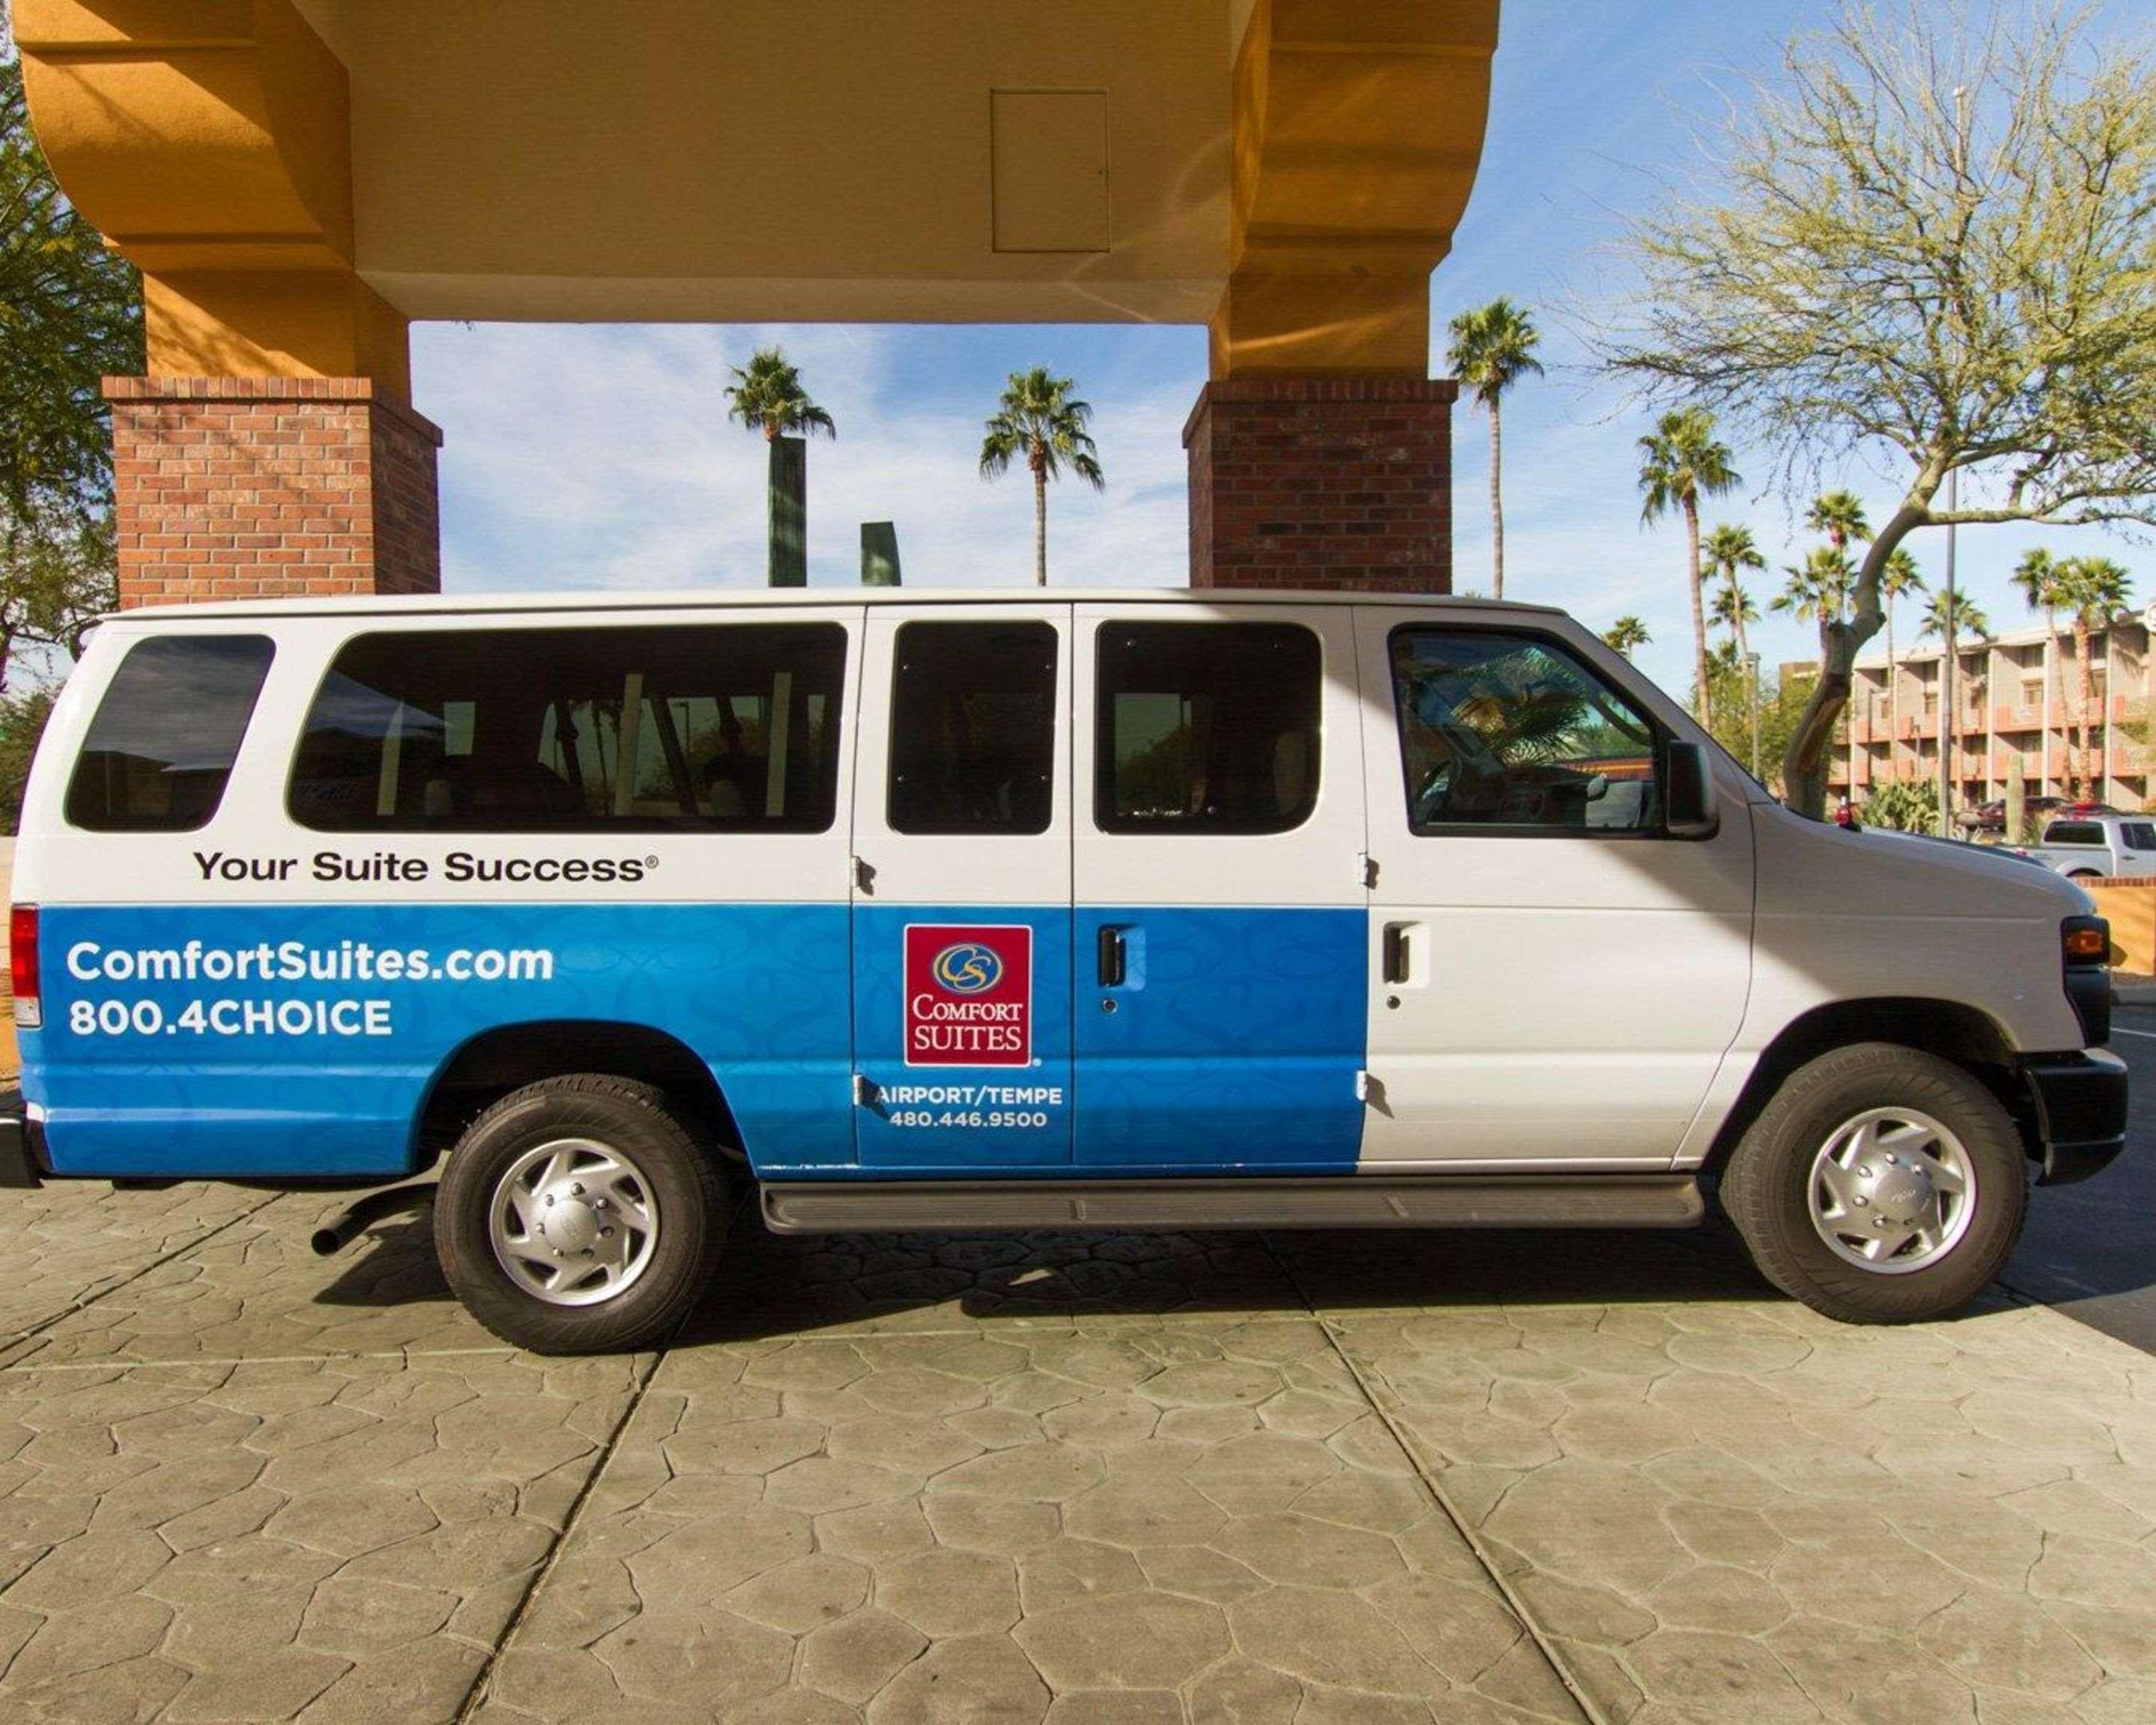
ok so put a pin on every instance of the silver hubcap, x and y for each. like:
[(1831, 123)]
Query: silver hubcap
[(573, 1222), (1891, 1190)]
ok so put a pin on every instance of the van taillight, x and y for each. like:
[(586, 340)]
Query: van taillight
[(23, 965)]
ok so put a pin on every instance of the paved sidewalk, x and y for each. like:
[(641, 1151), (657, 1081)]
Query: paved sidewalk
[(1090, 1479)]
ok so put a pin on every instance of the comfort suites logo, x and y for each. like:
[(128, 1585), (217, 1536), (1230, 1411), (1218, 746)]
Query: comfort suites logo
[(967, 968), (968, 995)]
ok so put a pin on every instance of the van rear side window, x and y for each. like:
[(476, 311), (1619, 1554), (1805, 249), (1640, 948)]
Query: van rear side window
[(162, 745), (731, 729)]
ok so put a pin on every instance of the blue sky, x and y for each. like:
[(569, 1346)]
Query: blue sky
[(600, 455)]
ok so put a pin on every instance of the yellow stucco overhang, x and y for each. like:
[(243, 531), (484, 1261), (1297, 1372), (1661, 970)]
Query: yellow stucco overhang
[(297, 177)]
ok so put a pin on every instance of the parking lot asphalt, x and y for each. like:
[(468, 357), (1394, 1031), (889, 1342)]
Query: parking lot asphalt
[(1503, 1477)]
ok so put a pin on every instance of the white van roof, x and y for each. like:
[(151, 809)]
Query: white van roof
[(729, 598)]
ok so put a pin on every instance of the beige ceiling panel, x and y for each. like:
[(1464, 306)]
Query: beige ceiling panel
[(1050, 150)]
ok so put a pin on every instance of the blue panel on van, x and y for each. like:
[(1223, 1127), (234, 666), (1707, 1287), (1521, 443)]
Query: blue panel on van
[(1235, 1042), (272, 1040), (961, 1020)]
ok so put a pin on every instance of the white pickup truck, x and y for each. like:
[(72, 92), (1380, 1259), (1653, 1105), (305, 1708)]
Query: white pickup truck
[(2087, 846)]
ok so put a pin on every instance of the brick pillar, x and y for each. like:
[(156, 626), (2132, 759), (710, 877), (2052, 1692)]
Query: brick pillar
[(1326, 482), (242, 488)]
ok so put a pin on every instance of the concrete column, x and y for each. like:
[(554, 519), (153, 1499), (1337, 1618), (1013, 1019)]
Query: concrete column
[(241, 488), (1327, 482)]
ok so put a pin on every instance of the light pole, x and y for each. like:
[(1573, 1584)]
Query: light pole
[(1947, 671), (1751, 666)]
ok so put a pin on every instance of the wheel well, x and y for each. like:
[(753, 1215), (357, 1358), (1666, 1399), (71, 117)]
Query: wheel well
[(1968, 1038), (496, 1062)]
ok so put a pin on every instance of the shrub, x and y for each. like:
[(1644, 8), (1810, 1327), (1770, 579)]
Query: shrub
[(1904, 806)]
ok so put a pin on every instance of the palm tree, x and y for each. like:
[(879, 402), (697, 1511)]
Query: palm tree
[(1733, 609), (766, 396), (1899, 576), (1968, 616), (1040, 420), (2037, 575), (1680, 463), (1627, 634), (1965, 618), (1729, 551), (1491, 348), (1818, 588), (2096, 589), (1838, 515)]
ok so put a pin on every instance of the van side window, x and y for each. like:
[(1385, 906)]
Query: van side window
[(162, 745), (972, 728), (729, 729), (1206, 727), (1506, 732)]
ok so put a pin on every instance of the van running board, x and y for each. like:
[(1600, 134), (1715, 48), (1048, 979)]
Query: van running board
[(1351, 1201)]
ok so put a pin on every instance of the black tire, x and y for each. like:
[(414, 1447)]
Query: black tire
[(684, 1178), (1764, 1186)]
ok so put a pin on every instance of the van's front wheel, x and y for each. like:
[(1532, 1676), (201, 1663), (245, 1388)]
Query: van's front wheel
[(577, 1215), (1881, 1185)]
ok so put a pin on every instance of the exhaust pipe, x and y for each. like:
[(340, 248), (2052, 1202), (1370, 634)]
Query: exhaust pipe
[(345, 1225)]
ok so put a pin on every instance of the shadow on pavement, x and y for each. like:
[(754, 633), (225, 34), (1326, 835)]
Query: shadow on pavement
[(771, 1286)]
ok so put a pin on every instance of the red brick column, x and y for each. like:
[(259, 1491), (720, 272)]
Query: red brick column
[(242, 488), (1327, 482)]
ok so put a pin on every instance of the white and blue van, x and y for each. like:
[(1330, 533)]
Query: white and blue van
[(966, 910)]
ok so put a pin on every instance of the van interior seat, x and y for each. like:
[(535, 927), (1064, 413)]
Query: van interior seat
[(1293, 751)]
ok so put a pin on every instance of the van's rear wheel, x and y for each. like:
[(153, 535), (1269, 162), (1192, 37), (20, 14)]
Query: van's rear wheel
[(577, 1215), (1881, 1185)]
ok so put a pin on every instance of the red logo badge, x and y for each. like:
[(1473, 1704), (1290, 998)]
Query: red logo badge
[(968, 995)]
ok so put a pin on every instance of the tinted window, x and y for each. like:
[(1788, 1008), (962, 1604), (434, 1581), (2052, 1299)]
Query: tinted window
[(1206, 727), (1503, 731), (161, 746), (715, 729), (2138, 834), (972, 728), (2074, 832)]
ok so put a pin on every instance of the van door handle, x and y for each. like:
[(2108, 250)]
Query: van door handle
[(1109, 952), (1396, 956)]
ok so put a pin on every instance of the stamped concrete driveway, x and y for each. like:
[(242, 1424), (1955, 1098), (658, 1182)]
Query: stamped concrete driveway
[(1304, 1477)]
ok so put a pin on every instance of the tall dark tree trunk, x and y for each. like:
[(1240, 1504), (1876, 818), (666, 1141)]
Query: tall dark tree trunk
[(1039, 463), (1496, 504)]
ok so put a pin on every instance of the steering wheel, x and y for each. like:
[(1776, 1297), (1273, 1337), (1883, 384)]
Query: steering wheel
[(1436, 791)]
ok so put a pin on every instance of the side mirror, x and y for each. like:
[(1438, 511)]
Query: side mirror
[(1688, 793)]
